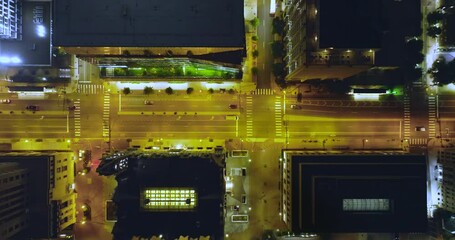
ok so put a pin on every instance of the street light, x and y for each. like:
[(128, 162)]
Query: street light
[(363, 142)]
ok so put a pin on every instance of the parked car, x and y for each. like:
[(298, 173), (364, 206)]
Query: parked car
[(7, 101), (232, 106), (32, 107), (148, 102)]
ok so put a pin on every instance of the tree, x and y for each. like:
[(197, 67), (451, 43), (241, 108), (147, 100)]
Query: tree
[(189, 90), (434, 31), (278, 70), (254, 22), (277, 49), (126, 91), (434, 17), (169, 90), (254, 70), (255, 53), (211, 91), (278, 25), (254, 38), (148, 90), (441, 72)]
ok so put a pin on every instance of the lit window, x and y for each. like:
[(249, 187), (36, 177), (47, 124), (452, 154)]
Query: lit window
[(366, 205)]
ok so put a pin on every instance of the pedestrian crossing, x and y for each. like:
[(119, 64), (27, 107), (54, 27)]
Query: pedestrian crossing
[(106, 114), (249, 116), (278, 117), (419, 141), (432, 116), (77, 118), (263, 92), (90, 88), (407, 118)]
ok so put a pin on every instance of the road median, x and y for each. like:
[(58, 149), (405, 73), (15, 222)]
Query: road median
[(175, 113)]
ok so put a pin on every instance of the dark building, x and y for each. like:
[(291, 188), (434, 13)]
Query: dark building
[(171, 194), (127, 35), (37, 190), (13, 199), (338, 39), (352, 192), (446, 175)]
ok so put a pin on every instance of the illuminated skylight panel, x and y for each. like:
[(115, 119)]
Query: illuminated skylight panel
[(170, 199)]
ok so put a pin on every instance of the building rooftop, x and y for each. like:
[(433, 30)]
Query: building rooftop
[(145, 23), (359, 193), (169, 194), (33, 47), (350, 24)]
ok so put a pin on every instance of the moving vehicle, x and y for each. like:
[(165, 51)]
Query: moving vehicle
[(32, 107), (72, 108), (231, 117), (6, 101), (420, 129), (148, 102), (232, 106)]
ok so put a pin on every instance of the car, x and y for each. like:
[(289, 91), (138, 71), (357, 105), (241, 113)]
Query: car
[(294, 106), (420, 129), (7, 101), (32, 108), (72, 108), (232, 106), (148, 102)]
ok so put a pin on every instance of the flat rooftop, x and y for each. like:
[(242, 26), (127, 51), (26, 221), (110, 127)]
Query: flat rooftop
[(34, 49), (149, 23), (350, 23), (169, 195), (359, 193)]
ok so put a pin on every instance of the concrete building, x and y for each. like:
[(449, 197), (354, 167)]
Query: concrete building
[(10, 19), (167, 194), (13, 199), (49, 181), (141, 39), (446, 158), (335, 192), (339, 39)]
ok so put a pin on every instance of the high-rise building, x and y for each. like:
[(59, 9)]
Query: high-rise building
[(13, 199), (9, 15), (353, 192), (39, 188), (338, 39), (446, 158)]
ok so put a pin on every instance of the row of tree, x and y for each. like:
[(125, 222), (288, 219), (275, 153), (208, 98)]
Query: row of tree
[(169, 90), (278, 52)]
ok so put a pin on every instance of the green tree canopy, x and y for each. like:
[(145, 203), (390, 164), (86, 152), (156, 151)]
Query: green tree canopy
[(189, 90), (169, 90), (148, 90), (126, 90)]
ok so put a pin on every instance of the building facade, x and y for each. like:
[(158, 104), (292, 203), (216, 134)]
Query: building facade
[(9, 19), (13, 199), (446, 158), (49, 180)]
